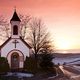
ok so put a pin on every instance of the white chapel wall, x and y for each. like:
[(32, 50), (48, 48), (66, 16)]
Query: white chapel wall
[(11, 46)]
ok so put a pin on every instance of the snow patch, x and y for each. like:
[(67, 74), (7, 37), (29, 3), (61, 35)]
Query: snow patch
[(18, 74), (65, 60)]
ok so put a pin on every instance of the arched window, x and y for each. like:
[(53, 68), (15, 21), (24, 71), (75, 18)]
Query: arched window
[(15, 30)]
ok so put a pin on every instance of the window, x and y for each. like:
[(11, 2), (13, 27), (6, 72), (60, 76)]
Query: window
[(15, 30)]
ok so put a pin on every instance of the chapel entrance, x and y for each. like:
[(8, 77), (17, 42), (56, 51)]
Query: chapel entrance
[(15, 60)]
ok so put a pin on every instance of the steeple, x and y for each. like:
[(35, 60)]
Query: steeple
[(15, 25), (15, 17)]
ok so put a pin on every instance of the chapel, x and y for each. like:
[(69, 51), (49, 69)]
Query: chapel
[(15, 49)]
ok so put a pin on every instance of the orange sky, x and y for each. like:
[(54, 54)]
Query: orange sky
[(62, 17)]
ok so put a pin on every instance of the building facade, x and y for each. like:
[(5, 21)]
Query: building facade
[(15, 49)]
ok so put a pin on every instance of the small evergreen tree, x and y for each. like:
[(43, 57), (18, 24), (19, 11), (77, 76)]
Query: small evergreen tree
[(30, 64), (4, 66), (46, 61)]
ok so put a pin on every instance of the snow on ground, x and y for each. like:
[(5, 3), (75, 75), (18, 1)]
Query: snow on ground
[(18, 74), (75, 77), (75, 62), (71, 75), (66, 60), (76, 67)]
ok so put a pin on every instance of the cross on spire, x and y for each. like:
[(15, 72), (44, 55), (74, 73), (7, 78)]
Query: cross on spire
[(15, 8), (15, 42), (15, 16)]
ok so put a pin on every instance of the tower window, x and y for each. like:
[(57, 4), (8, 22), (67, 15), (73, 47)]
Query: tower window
[(15, 30)]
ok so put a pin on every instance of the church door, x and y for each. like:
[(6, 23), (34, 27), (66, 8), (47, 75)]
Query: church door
[(15, 60)]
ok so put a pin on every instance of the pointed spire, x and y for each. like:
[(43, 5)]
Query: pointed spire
[(15, 16)]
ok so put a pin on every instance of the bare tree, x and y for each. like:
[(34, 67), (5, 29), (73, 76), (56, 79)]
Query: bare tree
[(33, 31), (39, 37), (4, 28), (24, 24)]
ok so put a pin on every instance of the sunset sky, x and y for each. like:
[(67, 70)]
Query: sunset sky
[(62, 17)]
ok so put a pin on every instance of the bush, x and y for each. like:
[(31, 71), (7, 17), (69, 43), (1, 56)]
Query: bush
[(46, 61), (30, 65), (4, 66), (43, 64)]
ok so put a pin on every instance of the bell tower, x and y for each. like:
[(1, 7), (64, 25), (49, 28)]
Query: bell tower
[(15, 26)]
